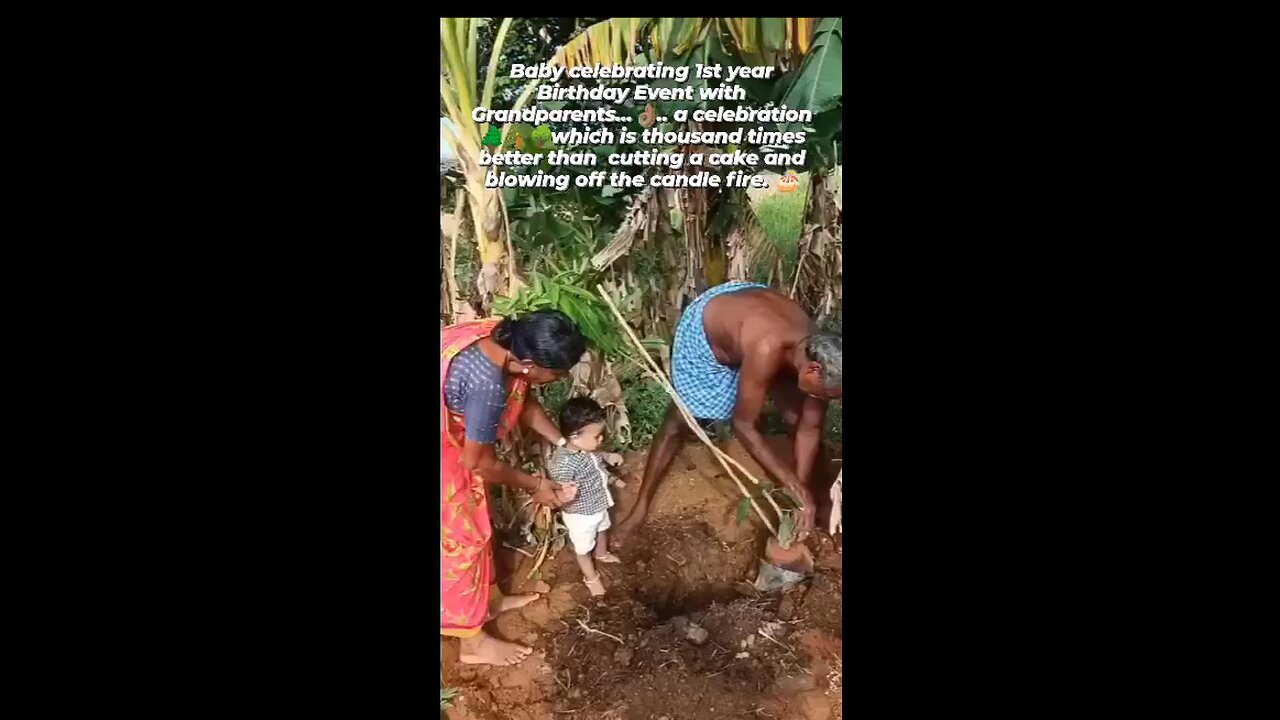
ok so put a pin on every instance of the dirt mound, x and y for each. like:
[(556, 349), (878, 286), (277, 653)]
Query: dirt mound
[(680, 634)]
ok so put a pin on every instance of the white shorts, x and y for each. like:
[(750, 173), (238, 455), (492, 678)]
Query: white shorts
[(583, 529)]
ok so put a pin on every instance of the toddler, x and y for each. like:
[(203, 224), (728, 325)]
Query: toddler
[(578, 461)]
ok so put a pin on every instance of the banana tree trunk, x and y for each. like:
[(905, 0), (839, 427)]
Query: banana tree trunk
[(486, 217)]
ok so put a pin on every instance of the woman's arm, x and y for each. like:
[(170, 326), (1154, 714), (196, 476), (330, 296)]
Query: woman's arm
[(535, 418), (485, 404), (480, 459)]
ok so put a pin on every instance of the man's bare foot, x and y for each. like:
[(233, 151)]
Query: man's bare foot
[(484, 649), (596, 586), (607, 558), (623, 530)]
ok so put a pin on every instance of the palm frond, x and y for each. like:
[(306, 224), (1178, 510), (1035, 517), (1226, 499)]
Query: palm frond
[(608, 42), (757, 40)]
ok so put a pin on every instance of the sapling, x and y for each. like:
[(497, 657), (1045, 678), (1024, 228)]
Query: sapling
[(786, 515), (786, 519), (786, 527)]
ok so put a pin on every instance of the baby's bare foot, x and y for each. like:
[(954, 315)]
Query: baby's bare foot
[(484, 649), (596, 586), (607, 558)]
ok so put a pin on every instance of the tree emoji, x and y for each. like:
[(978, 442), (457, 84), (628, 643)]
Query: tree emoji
[(541, 135), (493, 138)]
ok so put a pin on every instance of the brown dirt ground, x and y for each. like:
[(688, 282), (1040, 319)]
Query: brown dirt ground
[(692, 563)]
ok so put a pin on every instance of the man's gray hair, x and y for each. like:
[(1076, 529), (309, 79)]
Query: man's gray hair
[(826, 351)]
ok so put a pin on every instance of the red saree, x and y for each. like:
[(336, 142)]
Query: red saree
[(466, 554)]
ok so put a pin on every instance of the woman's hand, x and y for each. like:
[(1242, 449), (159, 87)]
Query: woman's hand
[(566, 493), (613, 459), (552, 495)]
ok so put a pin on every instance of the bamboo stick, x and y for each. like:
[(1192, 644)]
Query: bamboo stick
[(692, 423), (684, 412)]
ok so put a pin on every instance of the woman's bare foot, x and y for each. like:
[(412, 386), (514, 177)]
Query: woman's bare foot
[(485, 649), (541, 587), (513, 602), (607, 558), (510, 602), (596, 586)]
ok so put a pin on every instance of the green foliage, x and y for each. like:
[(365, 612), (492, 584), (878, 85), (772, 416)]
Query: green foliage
[(818, 85), (555, 230), (780, 496), (529, 41), (447, 694), (833, 427), (646, 403), (553, 396), (786, 524), (564, 292)]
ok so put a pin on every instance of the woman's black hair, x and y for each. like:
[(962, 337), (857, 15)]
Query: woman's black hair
[(547, 337), (578, 413)]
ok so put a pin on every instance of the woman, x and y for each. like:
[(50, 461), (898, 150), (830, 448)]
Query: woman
[(486, 370)]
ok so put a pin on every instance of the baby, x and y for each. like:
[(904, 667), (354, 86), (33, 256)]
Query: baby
[(587, 516)]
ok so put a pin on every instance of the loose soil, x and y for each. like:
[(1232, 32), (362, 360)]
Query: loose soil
[(690, 636)]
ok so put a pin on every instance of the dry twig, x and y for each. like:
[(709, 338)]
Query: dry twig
[(522, 551), (600, 632), (769, 637)]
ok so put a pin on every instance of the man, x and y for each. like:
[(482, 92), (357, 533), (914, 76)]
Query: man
[(734, 344)]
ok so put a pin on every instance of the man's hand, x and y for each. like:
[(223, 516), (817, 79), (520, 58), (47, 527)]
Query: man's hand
[(804, 516)]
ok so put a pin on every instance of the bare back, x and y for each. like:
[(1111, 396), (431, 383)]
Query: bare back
[(738, 322)]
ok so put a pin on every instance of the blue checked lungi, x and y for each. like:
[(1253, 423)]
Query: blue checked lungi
[(707, 388)]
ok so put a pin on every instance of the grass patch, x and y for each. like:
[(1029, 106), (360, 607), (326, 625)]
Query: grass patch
[(781, 216)]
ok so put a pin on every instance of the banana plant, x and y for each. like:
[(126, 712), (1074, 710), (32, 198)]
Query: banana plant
[(460, 92), (759, 41)]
